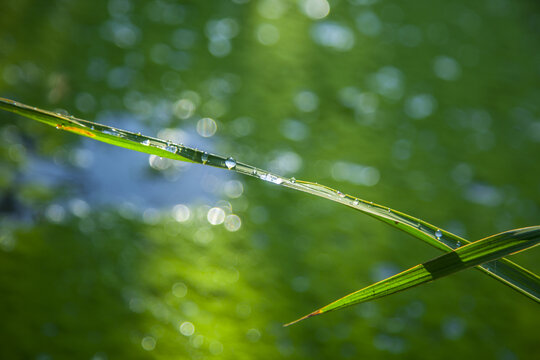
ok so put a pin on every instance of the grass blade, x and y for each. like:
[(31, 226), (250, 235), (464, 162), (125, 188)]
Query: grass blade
[(509, 273), (475, 253)]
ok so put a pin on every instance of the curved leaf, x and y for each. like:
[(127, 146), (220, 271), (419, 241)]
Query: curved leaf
[(475, 253)]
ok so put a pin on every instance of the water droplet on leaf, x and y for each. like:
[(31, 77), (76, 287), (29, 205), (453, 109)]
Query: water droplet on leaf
[(271, 178), (204, 157), (230, 163), (438, 234), (110, 132)]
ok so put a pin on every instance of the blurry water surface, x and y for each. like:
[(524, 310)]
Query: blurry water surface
[(429, 107)]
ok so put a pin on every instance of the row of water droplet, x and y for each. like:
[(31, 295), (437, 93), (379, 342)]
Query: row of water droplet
[(195, 155), (378, 211), (230, 163), (198, 156)]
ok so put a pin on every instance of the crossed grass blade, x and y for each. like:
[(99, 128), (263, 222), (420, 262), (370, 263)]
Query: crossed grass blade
[(509, 273), (478, 252)]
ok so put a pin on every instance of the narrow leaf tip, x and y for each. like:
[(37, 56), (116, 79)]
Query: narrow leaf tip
[(317, 312)]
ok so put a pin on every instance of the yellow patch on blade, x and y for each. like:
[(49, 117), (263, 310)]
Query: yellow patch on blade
[(76, 130)]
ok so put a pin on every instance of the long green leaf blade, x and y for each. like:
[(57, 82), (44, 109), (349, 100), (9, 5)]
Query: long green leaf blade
[(509, 273), (478, 252), (98, 132)]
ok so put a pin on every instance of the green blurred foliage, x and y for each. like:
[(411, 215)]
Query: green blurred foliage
[(440, 98)]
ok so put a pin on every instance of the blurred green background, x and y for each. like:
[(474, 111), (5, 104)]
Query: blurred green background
[(429, 107)]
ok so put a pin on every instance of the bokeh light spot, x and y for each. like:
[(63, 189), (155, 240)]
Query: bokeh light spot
[(306, 101), (267, 34), (206, 127), (446, 68), (233, 189), (216, 216), (368, 23), (179, 289), (187, 328), (232, 222), (148, 343), (315, 9), (420, 106), (333, 35), (181, 213)]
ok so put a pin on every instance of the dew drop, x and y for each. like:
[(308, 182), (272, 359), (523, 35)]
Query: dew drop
[(458, 244), (230, 163), (271, 178), (138, 134), (171, 149), (438, 234), (356, 202), (146, 142), (204, 157), (58, 126), (340, 194), (293, 180), (110, 132), (254, 172), (92, 127)]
